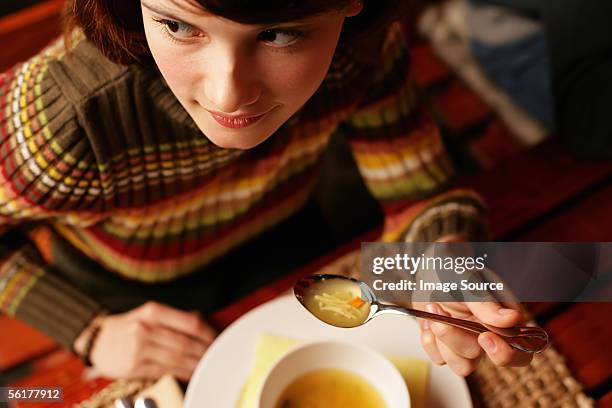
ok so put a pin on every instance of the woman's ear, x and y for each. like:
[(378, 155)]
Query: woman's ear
[(355, 8)]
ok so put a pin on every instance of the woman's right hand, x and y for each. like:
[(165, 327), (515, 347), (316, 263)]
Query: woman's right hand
[(148, 342)]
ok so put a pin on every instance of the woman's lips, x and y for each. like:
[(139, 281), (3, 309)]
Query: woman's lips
[(237, 121)]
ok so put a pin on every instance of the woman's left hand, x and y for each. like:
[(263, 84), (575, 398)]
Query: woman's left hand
[(461, 349)]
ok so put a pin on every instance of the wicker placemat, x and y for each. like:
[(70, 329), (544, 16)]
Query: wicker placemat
[(546, 382), (106, 397)]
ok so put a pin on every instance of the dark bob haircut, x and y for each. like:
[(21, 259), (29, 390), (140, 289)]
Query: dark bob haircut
[(116, 26)]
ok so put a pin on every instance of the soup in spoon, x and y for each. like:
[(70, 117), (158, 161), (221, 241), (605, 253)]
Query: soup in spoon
[(338, 302)]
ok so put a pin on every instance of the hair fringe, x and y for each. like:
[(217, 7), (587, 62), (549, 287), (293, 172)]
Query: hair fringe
[(115, 28)]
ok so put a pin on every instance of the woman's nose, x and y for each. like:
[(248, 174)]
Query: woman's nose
[(230, 85)]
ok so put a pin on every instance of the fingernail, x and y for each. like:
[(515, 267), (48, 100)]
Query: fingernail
[(488, 344), (431, 308), (424, 324), (506, 312)]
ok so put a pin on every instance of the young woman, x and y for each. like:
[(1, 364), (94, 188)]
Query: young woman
[(162, 134)]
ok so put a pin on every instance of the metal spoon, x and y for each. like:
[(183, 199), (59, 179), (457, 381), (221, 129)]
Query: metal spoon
[(322, 295), (124, 402), (145, 403)]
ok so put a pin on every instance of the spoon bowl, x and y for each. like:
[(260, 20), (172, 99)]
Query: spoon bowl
[(346, 302)]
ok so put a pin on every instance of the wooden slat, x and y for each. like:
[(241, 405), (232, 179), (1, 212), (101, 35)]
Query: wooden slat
[(583, 337), (427, 68), (538, 309), (19, 343), (459, 108), (61, 369), (30, 17), (606, 401), (24, 33), (587, 220), (530, 186), (581, 327), (494, 146)]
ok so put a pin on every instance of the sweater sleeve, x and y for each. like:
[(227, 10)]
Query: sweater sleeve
[(401, 156), (47, 175)]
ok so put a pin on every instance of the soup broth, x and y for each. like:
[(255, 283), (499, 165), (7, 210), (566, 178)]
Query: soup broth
[(330, 388), (337, 303)]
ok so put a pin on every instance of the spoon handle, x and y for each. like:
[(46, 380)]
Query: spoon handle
[(524, 338)]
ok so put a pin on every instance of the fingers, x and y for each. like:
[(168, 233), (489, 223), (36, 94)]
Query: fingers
[(147, 370), (500, 352), (428, 341), (144, 343), (175, 341), (178, 342), (496, 314), (460, 349), (152, 370), (178, 320), (462, 352), (460, 365), (171, 361), (459, 341)]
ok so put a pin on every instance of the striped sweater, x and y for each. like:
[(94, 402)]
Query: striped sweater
[(105, 157)]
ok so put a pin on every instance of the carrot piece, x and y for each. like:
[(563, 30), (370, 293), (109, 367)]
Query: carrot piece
[(357, 302)]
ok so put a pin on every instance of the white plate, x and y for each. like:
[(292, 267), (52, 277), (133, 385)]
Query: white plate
[(222, 372)]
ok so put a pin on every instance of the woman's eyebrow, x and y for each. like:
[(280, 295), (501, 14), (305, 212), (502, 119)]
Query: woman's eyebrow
[(167, 12), (159, 11), (301, 24)]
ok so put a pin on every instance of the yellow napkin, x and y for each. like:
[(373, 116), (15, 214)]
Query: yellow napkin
[(270, 348)]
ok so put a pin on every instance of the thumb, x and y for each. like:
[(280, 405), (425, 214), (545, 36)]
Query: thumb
[(495, 314)]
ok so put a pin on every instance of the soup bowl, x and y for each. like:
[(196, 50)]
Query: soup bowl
[(366, 363)]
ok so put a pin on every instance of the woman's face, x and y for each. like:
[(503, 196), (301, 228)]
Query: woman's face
[(239, 82)]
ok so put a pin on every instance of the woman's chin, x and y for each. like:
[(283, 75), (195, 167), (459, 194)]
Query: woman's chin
[(237, 140)]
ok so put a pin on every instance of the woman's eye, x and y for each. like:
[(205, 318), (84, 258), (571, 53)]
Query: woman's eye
[(280, 38), (179, 30)]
